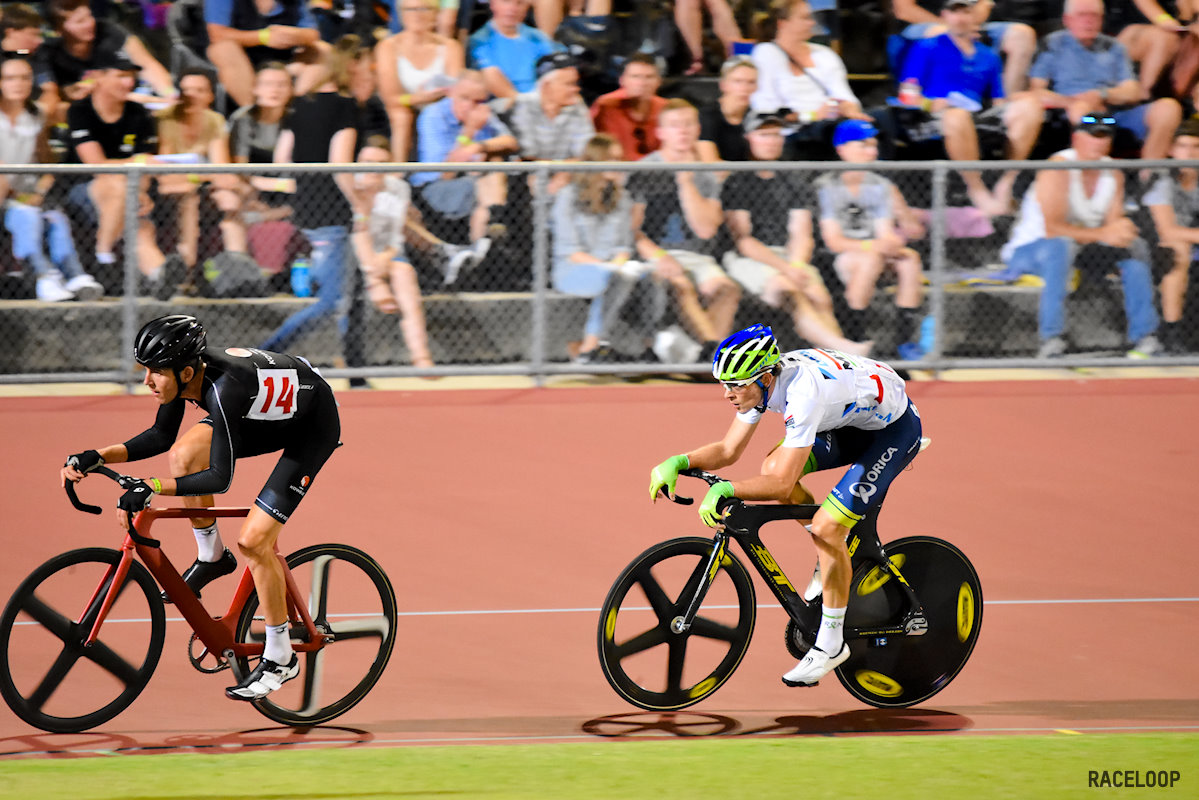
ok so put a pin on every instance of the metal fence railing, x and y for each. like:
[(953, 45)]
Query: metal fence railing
[(484, 273)]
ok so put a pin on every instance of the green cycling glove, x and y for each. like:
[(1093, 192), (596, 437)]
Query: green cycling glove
[(666, 474), (707, 509)]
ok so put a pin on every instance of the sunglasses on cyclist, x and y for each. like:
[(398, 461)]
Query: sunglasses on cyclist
[(734, 386), (1097, 126)]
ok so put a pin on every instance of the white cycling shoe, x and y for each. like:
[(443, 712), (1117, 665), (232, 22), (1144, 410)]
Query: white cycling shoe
[(814, 666)]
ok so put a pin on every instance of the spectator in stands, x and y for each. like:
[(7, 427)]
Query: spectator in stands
[(1085, 72), (321, 128), (1016, 42), (807, 79), (1076, 218), (390, 279), (676, 216), (105, 127), (1173, 202), (461, 127), (859, 221), (21, 37), (1152, 32), (414, 68), (242, 37), (548, 14), (768, 214), (505, 50), (956, 76), (373, 119), (24, 139), (689, 18), (192, 128), (84, 43), (552, 123), (721, 130), (630, 113)]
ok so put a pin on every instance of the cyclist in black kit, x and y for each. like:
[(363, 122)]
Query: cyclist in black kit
[(257, 402)]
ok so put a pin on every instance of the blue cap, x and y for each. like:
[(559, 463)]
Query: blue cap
[(853, 130)]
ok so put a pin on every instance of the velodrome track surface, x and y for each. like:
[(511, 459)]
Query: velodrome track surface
[(503, 516)]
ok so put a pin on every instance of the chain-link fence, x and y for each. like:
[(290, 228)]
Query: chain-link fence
[(548, 268)]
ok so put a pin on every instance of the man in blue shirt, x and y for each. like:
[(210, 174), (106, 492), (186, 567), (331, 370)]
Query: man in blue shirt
[(505, 50), (241, 37), (957, 76), (1086, 72)]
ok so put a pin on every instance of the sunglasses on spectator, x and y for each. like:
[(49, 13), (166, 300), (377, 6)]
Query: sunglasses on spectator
[(642, 144), (1097, 126)]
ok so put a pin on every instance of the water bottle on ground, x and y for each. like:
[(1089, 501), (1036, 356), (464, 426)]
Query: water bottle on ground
[(301, 279)]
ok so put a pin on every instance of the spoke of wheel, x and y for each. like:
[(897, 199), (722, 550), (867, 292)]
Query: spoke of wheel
[(363, 628), (641, 642), (313, 674), (674, 666), (711, 629), (47, 617), (104, 657), (54, 678), (318, 593), (662, 605)]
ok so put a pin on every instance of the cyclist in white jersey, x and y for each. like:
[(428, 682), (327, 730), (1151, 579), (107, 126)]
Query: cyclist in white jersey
[(837, 410)]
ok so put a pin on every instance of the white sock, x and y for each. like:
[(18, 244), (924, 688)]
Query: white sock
[(832, 633), (278, 644), (209, 546), (105, 258)]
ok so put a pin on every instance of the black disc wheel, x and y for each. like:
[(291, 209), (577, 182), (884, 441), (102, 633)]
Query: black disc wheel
[(47, 676), (348, 596), (642, 656), (900, 671)]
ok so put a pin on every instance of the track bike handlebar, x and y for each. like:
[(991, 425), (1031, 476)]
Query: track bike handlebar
[(90, 509), (707, 477)]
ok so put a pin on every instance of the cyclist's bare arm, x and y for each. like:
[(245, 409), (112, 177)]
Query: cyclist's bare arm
[(727, 451), (781, 471)]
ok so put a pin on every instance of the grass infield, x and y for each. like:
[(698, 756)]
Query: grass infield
[(842, 767)]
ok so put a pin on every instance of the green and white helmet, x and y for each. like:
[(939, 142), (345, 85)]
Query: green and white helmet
[(745, 355)]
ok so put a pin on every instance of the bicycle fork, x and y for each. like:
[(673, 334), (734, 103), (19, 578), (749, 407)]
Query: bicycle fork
[(683, 622), (114, 579)]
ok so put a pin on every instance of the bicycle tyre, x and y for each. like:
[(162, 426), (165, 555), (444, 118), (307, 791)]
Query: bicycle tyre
[(132, 677), (672, 694), (901, 671), (281, 706)]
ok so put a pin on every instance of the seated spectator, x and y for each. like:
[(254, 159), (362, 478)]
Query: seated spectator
[(21, 37), (84, 43), (1173, 202), (241, 37), (192, 128), (551, 123), (1016, 42), (390, 279), (721, 130), (24, 140), (767, 213), (105, 127), (505, 50), (1085, 72), (548, 14), (1152, 32), (807, 79), (676, 216), (414, 68), (461, 127), (320, 128), (1076, 218), (858, 222), (630, 113), (689, 19), (956, 75), (373, 119)]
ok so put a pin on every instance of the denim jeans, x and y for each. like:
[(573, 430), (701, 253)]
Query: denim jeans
[(1052, 259), (31, 227), (328, 272)]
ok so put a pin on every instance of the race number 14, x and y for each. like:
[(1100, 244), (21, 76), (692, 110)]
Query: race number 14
[(276, 394)]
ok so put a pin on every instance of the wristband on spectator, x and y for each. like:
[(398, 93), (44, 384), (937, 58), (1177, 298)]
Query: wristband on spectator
[(156, 485), (406, 100), (281, 185), (1166, 19), (193, 178), (797, 264), (463, 139), (658, 254), (264, 36), (867, 245), (807, 116)]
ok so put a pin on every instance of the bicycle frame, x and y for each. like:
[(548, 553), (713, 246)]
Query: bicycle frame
[(216, 633)]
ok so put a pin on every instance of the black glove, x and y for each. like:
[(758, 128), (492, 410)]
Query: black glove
[(85, 462), (137, 495)]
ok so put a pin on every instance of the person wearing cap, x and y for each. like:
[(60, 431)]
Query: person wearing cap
[(1084, 71), (676, 216), (721, 123), (957, 75), (768, 214), (859, 221), (106, 127), (1075, 218), (552, 122), (506, 50), (630, 113), (1173, 202)]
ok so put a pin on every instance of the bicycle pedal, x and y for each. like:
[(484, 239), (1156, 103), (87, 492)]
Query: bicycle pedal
[(198, 659)]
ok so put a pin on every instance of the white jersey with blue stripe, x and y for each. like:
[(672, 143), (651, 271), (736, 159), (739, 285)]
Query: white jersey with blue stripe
[(818, 390)]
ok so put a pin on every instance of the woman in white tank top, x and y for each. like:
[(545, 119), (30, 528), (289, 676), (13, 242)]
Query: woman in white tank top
[(415, 67)]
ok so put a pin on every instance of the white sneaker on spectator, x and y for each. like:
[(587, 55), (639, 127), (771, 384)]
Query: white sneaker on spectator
[(1147, 347), (50, 289), (85, 287), (1053, 347)]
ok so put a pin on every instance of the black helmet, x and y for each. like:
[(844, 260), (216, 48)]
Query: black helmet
[(170, 342)]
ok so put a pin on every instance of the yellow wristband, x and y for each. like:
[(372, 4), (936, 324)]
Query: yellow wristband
[(406, 100), (282, 185), (797, 264), (156, 485), (1166, 18), (867, 245), (264, 36), (463, 139), (658, 253), (193, 178)]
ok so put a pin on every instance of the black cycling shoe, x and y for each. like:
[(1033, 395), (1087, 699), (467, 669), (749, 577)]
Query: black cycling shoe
[(202, 573)]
